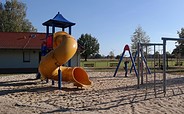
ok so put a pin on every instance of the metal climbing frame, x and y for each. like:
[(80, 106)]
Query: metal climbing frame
[(150, 44), (140, 51), (164, 59)]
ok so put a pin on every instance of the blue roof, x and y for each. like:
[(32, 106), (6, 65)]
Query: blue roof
[(58, 21)]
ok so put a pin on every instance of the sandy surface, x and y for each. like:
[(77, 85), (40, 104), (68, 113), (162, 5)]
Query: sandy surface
[(22, 94)]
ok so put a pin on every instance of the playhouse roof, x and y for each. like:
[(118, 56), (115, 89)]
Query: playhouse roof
[(58, 21), (21, 40), (24, 40)]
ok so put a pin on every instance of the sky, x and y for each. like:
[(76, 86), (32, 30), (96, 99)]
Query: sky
[(112, 22)]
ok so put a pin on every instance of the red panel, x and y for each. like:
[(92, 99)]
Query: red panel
[(49, 42), (126, 48)]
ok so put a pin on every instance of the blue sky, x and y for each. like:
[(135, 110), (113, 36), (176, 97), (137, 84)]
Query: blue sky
[(112, 22)]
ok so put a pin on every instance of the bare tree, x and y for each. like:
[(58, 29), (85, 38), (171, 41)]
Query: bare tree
[(139, 36)]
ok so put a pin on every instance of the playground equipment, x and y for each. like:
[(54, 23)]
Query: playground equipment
[(164, 58), (59, 49), (64, 47), (140, 64), (165, 64), (126, 48), (143, 60)]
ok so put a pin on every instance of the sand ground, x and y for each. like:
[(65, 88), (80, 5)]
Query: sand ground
[(22, 94)]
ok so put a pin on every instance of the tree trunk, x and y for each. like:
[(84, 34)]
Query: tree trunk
[(85, 58)]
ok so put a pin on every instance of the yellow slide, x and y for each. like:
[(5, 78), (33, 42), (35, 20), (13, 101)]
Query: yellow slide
[(64, 47)]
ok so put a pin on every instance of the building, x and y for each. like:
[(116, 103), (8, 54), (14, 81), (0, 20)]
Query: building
[(20, 52)]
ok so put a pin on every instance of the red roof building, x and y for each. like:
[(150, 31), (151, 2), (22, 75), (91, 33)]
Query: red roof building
[(21, 40), (21, 52)]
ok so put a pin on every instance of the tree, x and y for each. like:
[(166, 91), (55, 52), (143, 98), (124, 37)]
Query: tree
[(181, 35), (111, 54), (139, 35), (179, 50), (90, 44), (156, 54), (13, 17), (118, 57), (98, 56)]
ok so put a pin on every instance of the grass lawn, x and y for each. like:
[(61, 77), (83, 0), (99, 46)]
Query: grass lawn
[(111, 65)]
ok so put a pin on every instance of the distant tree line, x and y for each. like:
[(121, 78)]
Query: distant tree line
[(91, 46)]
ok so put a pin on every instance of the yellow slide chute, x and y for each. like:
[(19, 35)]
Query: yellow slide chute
[(64, 47)]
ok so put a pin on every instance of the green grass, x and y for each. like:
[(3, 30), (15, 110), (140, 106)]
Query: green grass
[(111, 64), (99, 63), (108, 62)]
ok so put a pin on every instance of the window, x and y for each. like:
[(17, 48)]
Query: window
[(26, 56)]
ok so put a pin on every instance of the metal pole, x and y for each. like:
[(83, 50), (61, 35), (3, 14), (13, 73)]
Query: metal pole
[(121, 58), (142, 70), (134, 59), (53, 31), (154, 74), (133, 63), (59, 78), (138, 65), (164, 65), (70, 32), (146, 68), (52, 82)]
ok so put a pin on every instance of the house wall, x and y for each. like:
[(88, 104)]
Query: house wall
[(75, 61), (15, 59), (19, 60)]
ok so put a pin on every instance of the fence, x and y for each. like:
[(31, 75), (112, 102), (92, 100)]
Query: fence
[(110, 63)]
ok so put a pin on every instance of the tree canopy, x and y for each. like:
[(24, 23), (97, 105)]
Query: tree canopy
[(111, 54), (13, 17), (139, 36), (90, 44), (180, 47)]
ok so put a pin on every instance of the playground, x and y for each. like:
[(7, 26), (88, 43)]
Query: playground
[(24, 94), (133, 87)]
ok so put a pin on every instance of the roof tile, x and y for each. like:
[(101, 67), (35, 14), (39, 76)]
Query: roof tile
[(21, 40)]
